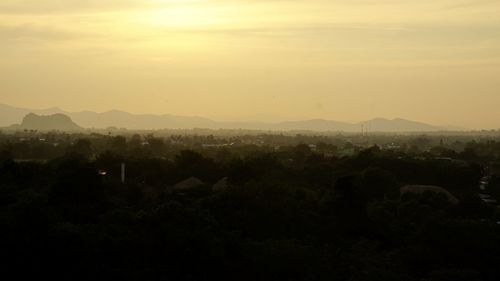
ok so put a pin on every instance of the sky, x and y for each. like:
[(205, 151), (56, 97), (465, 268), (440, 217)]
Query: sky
[(435, 61)]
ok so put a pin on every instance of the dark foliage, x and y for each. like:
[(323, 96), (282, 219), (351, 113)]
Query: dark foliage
[(293, 213)]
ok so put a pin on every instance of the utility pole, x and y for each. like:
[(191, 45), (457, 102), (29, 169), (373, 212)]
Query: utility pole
[(123, 173)]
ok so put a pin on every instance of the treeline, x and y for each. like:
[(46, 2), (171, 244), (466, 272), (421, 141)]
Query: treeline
[(294, 213), (33, 145)]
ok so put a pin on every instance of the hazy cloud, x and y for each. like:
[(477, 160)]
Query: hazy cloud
[(65, 6), (22, 32), (202, 55)]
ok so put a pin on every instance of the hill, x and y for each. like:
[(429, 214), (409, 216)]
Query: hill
[(122, 119), (400, 125), (58, 122)]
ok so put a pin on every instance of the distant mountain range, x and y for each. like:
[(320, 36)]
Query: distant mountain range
[(12, 115)]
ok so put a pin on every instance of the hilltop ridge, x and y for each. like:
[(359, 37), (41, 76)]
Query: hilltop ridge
[(58, 122), (123, 119)]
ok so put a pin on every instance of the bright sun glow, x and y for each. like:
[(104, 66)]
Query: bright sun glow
[(185, 16)]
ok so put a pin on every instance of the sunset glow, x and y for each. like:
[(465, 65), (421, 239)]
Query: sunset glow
[(341, 60)]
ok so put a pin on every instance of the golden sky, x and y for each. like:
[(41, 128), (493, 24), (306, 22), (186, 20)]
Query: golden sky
[(435, 61)]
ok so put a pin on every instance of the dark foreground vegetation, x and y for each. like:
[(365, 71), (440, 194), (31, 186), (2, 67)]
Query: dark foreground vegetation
[(265, 207)]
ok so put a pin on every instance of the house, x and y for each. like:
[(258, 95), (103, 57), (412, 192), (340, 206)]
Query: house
[(420, 189), (189, 183), (487, 199)]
